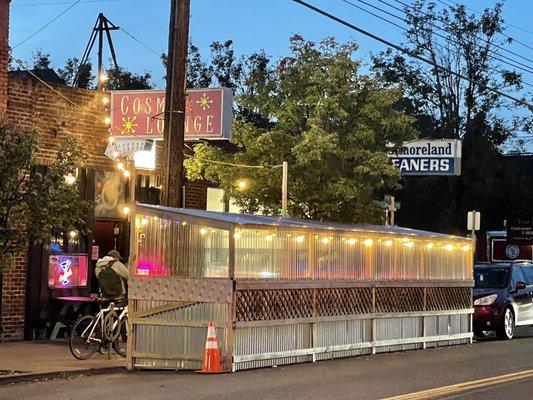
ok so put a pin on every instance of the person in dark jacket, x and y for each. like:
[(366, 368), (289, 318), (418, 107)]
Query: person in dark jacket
[(112, 276)]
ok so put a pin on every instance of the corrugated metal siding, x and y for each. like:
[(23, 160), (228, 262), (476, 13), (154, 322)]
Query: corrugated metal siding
[(398, 328), (342, 332), (267, 339)]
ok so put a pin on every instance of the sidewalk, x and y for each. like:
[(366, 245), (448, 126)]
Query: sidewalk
[(29, 361)]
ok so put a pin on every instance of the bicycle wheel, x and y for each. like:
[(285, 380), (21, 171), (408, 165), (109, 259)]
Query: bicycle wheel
[(84, 340), (121, 342)]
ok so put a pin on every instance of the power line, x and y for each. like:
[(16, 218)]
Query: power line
[(406, 5), (60, 3), (141, 43), (503, 34), (530, 70), (405, 51), (405, 30), (47, 24)]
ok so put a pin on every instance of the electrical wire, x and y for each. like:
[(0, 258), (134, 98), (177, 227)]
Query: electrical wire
[(501, 33), (59, 3), (235, 165), (141, 43), (47, 24), (406, 51), (446, 27), (437, 34)]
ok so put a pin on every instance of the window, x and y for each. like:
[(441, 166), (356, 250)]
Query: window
[(493, 278), (518, 276), (528, 273)]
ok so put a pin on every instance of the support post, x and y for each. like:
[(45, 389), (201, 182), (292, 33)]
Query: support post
[(284, 185), (172, 168)]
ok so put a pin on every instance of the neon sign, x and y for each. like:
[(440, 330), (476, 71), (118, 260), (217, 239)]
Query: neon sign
[(67, 271)]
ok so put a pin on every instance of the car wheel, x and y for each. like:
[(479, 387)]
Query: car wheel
[(506, 331)]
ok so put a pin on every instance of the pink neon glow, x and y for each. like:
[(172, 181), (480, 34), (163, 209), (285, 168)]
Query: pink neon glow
[(152, 266)]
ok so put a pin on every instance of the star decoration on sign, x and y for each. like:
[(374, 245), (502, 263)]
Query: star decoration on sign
[(128, 125), (205, 102)]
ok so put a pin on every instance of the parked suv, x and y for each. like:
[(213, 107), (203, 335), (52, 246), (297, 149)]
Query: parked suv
[(503, 297)]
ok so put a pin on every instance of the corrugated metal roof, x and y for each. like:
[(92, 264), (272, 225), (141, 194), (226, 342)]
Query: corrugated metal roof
[(289, 222)]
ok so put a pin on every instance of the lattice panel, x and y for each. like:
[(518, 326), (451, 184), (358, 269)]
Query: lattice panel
[(393, 299), (448, 298), (260, 305), (343, 301)]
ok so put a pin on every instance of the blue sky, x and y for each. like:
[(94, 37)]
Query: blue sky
[(252, 24)]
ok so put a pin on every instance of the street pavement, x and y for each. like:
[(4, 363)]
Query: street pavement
[(370, 377)]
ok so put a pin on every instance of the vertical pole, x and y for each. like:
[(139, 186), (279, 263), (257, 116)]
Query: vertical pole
[(100, 84), (392, 210), (172, 168), (284, 185)]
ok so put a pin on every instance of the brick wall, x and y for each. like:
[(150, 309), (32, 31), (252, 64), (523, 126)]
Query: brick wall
[(55, 111), (13, 299), (4, 54)]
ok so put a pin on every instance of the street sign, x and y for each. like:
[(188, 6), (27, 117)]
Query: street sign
[(429, 157), (520, 231), (473, 221)]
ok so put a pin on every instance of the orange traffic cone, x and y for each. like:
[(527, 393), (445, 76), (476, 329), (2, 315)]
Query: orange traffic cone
[(211, 363)]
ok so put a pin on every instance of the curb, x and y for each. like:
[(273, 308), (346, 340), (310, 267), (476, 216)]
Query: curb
[(43, 376)]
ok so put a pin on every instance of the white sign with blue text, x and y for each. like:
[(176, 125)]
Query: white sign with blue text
[(429, 157)]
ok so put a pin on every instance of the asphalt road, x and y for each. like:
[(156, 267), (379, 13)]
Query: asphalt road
[(370, 377)]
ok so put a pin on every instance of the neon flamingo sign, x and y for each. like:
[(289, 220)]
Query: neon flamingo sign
[(67, 272)]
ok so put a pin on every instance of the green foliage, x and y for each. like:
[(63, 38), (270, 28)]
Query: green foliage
[(34, 203), (332, 125), (71, 69), (121, 79)]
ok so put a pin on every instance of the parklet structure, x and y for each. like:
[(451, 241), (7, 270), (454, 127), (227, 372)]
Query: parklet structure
[(284, 290)]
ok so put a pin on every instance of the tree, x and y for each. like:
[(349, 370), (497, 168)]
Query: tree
[(71, 70), (447, 106), (332, 125), (33, 203), (41, 60), (119, 78)]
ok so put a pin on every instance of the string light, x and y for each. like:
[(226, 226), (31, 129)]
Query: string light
[(103, 77), (237, 235), (352, 241), (466, 247), (70, 179), (105, 100), (430, 245), (300, 239), (107, 120), (125, 210), (111, 139), (115, 154), (368, 242), (449, 247), (269, 238), (144, 222), (120, 166), (127, 173), (410, 245), (388, 243), (203, 231)]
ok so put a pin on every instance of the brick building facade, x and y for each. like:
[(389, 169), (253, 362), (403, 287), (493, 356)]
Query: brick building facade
[(53, 111)]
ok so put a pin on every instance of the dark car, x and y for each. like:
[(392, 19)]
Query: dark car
[(503, 297)]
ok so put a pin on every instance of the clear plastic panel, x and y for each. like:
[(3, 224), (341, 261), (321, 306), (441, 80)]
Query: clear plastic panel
[(179, 248)]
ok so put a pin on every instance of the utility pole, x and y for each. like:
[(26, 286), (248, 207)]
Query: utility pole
[(172, 167)]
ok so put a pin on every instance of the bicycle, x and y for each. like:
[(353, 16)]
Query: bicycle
[(92, 332)]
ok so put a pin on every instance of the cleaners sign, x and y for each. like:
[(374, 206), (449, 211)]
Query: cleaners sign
[(429, 157)]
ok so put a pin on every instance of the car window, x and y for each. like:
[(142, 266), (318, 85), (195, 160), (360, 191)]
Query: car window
[(517, 276), (493, 278), (528, 274)]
